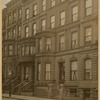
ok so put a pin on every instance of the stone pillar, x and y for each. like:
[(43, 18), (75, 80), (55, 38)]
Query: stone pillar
[(81, 94), (50, 90), (61, 90)]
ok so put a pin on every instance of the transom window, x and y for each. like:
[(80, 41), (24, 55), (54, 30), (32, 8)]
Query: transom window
[(34, 10), (52, 22), (52, 3), (88, 69), (88, 7), (43, 5), (34, 28), (48, 44), (62, 18), (62, 43), (74, 40), (26, 31), (75, 13), (43, 24), (48, 71), (27, 13), (38, 71), (74, 70), (88, 34)]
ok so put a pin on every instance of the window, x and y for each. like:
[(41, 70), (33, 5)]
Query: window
[(40, 45), (62, 0), (39, 72), (74, 40), (74, 71), (48, 44), (88, 35), (26, 31), (43, 24), (52, 3), (88, 69), (52, 22), (43, 5), (61, 72), (10, 50), (73, 93), (19, 31), (19, 14), (26, 73), (9, 34), (34, 10), (62, 43), (34, 29), (5, 51), (88, 7), (26, 50), (27, 13), (13, 33), (62, 18), (14, 16), (48, 71), (87, 93), (18, 49), (9, 19), (75, 13), (23, 50), (32, 49)]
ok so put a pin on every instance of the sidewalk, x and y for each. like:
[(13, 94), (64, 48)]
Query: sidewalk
[(24, 97)]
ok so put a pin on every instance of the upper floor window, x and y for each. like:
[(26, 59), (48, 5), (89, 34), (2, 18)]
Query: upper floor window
[(9, 34), (75, 13), (52, 23), (48, 44), (40, 45), (19, 13), (5, 50), (52, 3), (26, 31), (74, 70), (19, 31), (9, 19), (62, 18), (13, 33), (43, 5), (88, 7), (48, 71), (14, 16), (34, 28), (32, 49), (62, 43), (22, 50), (34, 10), (74, 39), (39, 72), (10, 50), (88, 35), (27, 13), (43, 24), (88, 69), (26, 50)]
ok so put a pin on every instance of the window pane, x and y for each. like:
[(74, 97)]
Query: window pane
[(75, 9), (88, 3)]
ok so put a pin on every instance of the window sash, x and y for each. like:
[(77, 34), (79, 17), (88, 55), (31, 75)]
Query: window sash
[(10, 49), (52, 22), (34, 29), (35, 10), (27, 13), (39, 72), (27, 50), (26, 32), (14, 33), (19, 31), (19, 13), (43, 24), (52, 3), (44, 5)]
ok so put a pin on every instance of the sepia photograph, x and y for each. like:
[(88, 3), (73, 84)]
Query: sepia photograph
[(50, 49)]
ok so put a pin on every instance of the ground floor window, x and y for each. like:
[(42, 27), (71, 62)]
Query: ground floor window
[(87, 93), (73, 92)]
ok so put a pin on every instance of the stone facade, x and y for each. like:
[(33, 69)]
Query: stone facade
[(22, 55)]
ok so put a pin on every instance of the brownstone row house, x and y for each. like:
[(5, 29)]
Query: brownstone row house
[(51, 42)]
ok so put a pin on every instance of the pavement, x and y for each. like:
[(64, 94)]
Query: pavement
[(20, 97)]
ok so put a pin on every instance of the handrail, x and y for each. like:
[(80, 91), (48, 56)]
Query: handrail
[(27, 84)]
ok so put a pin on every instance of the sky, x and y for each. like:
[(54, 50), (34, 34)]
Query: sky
[(4, 2)]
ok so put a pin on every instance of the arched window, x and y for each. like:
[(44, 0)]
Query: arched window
[(88, 69)]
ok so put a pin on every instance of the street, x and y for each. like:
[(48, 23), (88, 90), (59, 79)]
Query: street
[(9, 99)]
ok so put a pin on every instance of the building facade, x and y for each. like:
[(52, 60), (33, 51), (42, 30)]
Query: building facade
[(50, 47)]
